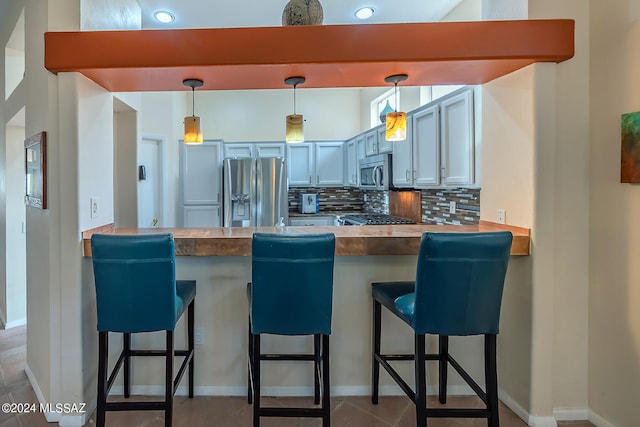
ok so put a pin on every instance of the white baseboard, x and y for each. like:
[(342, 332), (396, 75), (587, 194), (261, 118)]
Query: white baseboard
[(514, 406), (598, 421), (574, 414), (15, 323), (63, 420)]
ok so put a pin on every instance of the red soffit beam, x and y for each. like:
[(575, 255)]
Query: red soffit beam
[(327, 55)]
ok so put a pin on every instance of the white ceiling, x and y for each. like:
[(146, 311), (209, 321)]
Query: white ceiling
[(264, 13)]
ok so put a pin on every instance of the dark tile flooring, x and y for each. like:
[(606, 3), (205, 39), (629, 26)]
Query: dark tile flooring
[(207, 411)]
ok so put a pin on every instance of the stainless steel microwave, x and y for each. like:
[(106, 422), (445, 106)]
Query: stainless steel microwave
[(375, 172)]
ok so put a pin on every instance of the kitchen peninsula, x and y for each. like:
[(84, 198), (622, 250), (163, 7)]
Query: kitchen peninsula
[(219, 259)]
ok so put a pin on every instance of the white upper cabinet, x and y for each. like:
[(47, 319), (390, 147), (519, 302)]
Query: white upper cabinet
[(403, 158), (371, 142), (456, 133), (300, 165), (265, 149), (426, 147), (439, 149), (238, 151), (254, 150), (329, 158), (384, 146), (316, 164), (352, 162)]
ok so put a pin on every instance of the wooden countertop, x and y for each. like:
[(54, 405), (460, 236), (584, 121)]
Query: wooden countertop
[(364, 240)]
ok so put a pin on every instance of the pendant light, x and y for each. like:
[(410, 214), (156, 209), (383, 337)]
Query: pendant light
[(192, 130), (294, 132), (396, 123)]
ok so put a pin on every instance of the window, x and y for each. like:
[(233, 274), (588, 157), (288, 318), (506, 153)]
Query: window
[(379, 104)]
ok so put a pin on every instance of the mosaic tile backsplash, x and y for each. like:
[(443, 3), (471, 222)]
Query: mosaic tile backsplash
[(435, 206), (435, 202), (332, 199)]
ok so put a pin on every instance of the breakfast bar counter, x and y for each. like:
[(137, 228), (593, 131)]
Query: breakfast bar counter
[(219, 260), (363, 240)]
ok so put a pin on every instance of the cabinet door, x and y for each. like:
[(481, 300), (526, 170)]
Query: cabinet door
[(456, 127), (352, 162), (239, 151), (329, 163), (384, 146), (426, 151), (300, 164), (371, 142), (201, 173), (201, 216), (319, 220), (269, 150), (362, 153), (402, 159)]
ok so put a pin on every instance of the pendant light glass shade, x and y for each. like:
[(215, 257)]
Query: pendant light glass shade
[(396, 123), (294, 131), (192, 129), (396, 127)]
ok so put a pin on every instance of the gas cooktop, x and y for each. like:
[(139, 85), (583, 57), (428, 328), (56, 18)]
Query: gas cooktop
[(374, 219)]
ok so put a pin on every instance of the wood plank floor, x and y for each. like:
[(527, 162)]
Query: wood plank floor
[(207, 411)]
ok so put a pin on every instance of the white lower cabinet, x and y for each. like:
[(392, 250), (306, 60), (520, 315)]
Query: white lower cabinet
[(201, 216), (311, 221)]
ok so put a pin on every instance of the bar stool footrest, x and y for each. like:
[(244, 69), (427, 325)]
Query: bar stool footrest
[(291, 412)]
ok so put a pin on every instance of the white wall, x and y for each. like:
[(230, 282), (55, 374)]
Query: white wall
[(614, 277), (16, 290)]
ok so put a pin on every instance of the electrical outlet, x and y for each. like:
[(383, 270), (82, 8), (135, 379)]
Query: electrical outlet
[(501, 215), (452, 207), (199, 336), (94, 207)]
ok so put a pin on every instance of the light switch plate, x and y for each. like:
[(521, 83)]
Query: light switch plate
[(94, 207), (501, 216)]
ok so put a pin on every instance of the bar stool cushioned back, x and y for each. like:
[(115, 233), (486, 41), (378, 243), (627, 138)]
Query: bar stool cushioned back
[(136, 291), (457, 292), (291, 293), (459, 282), (292, 281), (135, 283)]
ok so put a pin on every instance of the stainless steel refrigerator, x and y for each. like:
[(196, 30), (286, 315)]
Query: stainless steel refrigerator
[(255, 192)]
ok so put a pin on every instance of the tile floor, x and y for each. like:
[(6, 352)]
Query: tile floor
[(206, 411)]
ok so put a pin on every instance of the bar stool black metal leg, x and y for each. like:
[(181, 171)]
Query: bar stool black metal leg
[(375, 375), (491, 379), (191, 332), (421, 381), (126, 345), (103, 354), (255, 362), (249, 367), (326, 402), (316, 368), (443, 364), (168, 391)]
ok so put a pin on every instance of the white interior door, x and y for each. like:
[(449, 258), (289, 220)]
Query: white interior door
[(150, 203)]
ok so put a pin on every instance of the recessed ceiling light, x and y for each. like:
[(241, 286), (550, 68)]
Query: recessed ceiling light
[(164, 17), (364, 12)]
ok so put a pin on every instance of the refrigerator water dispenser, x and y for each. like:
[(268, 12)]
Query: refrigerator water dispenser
[(241, 207)]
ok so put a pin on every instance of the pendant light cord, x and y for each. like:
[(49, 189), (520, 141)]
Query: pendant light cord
[(395, 93), (193, 102), (294, 98)]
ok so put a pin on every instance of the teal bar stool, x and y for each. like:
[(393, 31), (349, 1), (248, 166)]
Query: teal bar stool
[(457, 292), (136, 291), (291, 293)]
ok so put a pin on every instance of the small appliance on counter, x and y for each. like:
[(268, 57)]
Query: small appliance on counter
[(309, 203)]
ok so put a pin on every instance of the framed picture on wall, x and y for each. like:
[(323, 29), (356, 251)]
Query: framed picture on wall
[(35, 161)]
